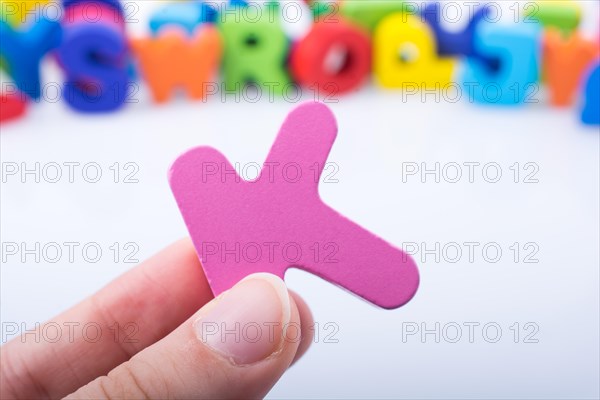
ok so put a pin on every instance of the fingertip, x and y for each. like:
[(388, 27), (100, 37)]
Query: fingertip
[(306, 324)]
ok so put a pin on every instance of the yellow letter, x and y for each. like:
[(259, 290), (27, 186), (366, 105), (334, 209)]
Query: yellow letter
[(404, 52)]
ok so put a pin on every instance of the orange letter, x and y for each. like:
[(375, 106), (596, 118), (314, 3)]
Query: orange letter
[(565, 61), (172, 60)]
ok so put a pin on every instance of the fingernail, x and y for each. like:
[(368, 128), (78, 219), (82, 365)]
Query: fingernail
[(246, 323)]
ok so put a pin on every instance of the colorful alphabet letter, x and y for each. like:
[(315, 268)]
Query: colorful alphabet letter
[(309, 60), (278, 220), (23, 51), (172, 59), (12, 105), (405, 54), (591, 108), (255, 49), (453, 43), (95, 56), (565, 61), (516, 47)]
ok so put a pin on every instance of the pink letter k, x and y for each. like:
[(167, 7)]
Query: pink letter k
[(278, 220)]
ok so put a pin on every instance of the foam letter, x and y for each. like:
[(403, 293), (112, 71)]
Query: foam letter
[(591, 109), (405, 52), (255, 50), (311, 55), (94, 55), (516, 49), (23, 51), (12, 105), (282, 212), (565, 61), (453, 43), (171, 60)]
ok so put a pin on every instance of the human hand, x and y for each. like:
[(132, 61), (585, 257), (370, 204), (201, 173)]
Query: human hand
[(162, 335)]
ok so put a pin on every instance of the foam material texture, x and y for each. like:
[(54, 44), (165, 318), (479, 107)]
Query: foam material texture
[(281, 214)]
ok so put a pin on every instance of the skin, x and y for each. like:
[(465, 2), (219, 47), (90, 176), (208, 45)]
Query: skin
[(163, 296)]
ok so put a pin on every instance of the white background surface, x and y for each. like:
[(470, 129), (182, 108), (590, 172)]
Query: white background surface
[(378, 132)]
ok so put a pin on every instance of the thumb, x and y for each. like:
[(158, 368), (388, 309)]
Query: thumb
[(236, 346)]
